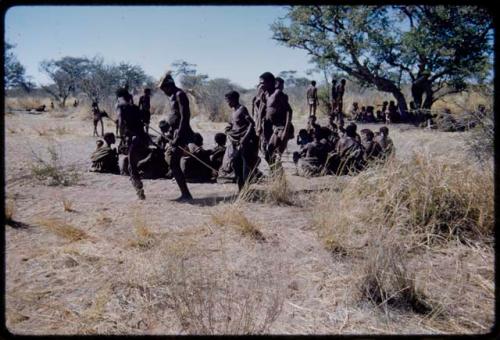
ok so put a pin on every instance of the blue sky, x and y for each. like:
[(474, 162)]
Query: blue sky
[(224, 41)]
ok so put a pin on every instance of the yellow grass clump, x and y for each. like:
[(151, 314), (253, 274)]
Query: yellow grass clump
[(67, 204), (232, 215), (145, 238), (63, 229)]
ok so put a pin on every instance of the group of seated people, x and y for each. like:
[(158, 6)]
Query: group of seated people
[(153, 165), (339, 151), (388, 113), (323, 150)]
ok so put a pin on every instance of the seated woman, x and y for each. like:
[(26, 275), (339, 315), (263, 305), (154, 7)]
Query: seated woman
[(312, 157), (217, 153), (194, 166), (105, 158)]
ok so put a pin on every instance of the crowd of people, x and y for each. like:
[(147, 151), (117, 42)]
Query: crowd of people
[(178, 152), (337, 150), (388, 113)]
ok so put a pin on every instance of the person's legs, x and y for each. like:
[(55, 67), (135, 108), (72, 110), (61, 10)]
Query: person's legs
[(175, 161), (134, 156), (238, 171)]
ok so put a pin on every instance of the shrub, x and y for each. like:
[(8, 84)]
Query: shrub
[(51, 171)]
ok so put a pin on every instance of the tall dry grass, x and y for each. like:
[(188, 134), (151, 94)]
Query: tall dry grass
[(390, 214)]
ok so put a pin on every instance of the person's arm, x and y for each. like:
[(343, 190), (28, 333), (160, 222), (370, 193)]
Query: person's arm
[(288, 115), (185, 115), (120, 124), (251, 126)]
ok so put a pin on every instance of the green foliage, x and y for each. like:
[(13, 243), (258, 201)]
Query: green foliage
[(15, 73), (384, 46), (66, 73), (208, 93)]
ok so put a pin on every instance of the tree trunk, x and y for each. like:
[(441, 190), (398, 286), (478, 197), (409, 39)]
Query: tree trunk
[(401, 102), (387, 85)]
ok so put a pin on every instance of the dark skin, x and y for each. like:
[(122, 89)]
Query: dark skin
[(144, 106), (97, 118), (340, 99), (278, 111), (243, 164), (279, 140), (181, 133), (131, 127), (334, 97), (312, 99)]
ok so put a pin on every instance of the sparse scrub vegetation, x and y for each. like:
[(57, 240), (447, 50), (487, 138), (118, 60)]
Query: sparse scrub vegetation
[(52, 171), (209, 301), (482, 137)]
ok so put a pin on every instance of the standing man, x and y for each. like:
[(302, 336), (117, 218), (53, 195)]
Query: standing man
[(132, 132), (97, 117), (178, 121), (312, 98), (241, 133), (144, 106), (276, 117), (334, 99), (340, 100)]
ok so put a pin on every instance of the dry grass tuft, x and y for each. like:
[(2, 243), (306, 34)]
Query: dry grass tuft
[(279, 191), (67, 205), (63, 229), (10, 210), (145, 238), (211, 304), (276, 190), (232, 215), (209, 298), (386, 280)]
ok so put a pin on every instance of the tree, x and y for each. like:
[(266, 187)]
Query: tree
[(435, 48), (182, 67), (66, 73), (100, 81), (132, 75), (291, 80), (214, 99), (15, 73)]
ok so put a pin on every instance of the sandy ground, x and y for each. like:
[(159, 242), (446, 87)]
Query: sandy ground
[(104, 284)]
